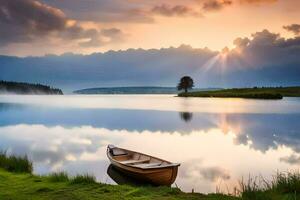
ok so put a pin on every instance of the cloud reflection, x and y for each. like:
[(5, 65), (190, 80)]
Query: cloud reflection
[(292, 159), (264, 131), (206, 156), (197, 169)]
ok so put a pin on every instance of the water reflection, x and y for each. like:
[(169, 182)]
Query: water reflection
[(186, 116), (107, 118), (212, 147), (265, 131), (207, 157), (121, 178)]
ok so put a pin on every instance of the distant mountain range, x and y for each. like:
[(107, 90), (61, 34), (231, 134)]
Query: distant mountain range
[(136, 90)]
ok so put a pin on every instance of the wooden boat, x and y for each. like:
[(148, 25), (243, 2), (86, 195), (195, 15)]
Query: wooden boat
[(143, 167)]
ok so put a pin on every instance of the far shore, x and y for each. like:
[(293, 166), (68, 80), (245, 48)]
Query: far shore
[(248, 93), (21, 88)]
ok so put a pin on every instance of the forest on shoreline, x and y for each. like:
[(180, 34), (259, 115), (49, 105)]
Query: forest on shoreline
[(9, 87)]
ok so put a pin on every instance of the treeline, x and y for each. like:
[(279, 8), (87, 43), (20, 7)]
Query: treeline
[(27, 88)]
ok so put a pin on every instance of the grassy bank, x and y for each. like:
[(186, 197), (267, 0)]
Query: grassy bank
[(21, 184), (251, 93), (17, 182), (26, 186)]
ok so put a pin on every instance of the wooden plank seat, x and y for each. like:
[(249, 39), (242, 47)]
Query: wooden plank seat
[(154, 165), (147, 165), (132, 162)]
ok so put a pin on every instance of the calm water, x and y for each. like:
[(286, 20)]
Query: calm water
[(218, 141)]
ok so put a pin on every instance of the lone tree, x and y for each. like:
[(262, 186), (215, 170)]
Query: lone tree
[(185, 83)]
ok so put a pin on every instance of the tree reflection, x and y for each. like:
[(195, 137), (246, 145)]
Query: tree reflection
[(186, 116)]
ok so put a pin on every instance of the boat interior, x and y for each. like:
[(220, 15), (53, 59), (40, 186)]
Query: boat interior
[(138, 160)]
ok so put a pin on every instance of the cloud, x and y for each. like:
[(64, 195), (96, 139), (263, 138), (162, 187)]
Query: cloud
[(143, 11), (30, 20), (258, 1), (104, 11), (215, 5), (241, 42), (265, 58), (177, 10), (27, 19), (294, 28), (113, 33), (103, 37)]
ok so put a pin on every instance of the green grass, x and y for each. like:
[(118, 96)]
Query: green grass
[(83, 179), (20, 186), (252, 93), (287, 183), (59, 186), (284, 186), (58, 177), (18, 183), (15, 163), (23, 186), (78, 179)]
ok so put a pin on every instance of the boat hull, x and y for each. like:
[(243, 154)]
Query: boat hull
[(165, 176), (155, 176)]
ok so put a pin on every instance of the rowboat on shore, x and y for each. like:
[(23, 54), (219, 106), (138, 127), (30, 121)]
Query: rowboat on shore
[(143, 167)]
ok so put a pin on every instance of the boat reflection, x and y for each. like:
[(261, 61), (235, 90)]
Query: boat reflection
[(122, 179)]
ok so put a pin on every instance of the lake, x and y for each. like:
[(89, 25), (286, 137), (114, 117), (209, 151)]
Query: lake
[(217, 141)]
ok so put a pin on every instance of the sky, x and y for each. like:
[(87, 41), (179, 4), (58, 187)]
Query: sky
[(105, 43), (40, 27)]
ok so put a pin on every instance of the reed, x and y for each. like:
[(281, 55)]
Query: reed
[(18, 164), (287, 182), (83, 179), (285, 185), (58, 177)]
